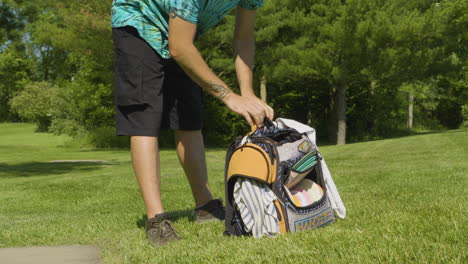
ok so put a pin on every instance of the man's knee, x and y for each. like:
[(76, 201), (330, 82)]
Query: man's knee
[(188, 133), (189, 138)]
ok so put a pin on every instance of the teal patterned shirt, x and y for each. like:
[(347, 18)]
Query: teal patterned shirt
[(150, 17)]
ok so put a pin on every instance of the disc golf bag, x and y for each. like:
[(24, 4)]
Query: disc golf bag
[(274, 182)]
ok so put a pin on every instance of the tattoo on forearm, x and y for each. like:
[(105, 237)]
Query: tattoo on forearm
[(219, 91)]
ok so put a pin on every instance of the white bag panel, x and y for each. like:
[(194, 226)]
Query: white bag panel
[(333, 194)]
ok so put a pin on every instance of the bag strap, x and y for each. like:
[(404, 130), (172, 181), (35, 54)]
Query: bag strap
[(266, 122)]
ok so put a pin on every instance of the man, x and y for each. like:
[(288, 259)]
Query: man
[(158, 73)]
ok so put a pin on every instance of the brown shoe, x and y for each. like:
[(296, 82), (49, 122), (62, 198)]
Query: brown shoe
[(159, 230), (213, 210)]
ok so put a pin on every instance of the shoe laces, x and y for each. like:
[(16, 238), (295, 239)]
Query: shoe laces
[(217, 208), (218, 203), (166, 229)]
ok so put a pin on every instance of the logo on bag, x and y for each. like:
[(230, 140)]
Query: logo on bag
[(304, 147), (314, 221)]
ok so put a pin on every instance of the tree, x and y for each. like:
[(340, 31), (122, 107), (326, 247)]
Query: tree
[(348, 68), (15, 69)]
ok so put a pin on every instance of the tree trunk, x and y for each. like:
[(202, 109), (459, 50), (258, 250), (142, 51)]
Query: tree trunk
[(341, 114), (263, 89), (410, 110), (331, 116)]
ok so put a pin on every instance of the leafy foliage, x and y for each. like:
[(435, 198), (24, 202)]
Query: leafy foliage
[(35, 103), (378, 51)]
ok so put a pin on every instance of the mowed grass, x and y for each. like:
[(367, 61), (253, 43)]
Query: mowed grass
[(406, 200)]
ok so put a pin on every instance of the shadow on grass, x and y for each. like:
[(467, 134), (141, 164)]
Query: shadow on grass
[(174, 215), (119, 150), (31, 169)]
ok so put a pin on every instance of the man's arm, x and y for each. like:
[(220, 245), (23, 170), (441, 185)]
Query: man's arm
[(184, 52), (244, 53)]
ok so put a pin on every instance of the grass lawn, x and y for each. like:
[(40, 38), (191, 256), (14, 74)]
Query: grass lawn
[(406, 200)]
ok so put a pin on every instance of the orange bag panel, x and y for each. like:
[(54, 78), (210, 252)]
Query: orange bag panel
[(251, 161)]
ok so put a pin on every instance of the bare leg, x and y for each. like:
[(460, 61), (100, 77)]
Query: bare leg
[(191, 152), (145, 157)]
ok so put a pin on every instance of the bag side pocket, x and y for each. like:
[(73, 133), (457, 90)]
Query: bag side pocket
[(251, 161)]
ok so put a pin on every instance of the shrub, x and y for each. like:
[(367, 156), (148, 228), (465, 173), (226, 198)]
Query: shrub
[(105, 137), (465, 115), (449, 114), (66, 126), (35, 103)]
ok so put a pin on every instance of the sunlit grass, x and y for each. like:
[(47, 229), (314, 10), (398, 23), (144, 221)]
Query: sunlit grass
[(406, 201)]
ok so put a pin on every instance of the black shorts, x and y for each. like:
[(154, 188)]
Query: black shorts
[(151, 93)]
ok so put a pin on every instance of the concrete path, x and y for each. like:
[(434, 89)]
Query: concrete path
[(50, 255)]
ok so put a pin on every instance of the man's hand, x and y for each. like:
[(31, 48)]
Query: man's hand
[(251, 108)]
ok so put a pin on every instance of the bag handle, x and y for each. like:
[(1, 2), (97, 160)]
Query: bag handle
[(266, 122)]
